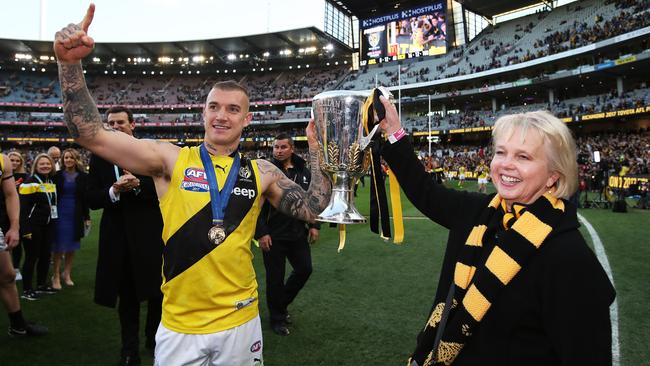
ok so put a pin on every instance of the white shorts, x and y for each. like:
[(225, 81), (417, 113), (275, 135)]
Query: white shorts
[(461, 177), (239, 346), (3, 245), (482, 181)]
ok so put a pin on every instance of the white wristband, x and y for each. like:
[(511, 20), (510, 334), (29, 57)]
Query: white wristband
[(397, 135)]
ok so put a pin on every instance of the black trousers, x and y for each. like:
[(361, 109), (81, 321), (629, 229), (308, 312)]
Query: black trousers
[(128, 309), (17, 254), (37, 254), (279, 294)]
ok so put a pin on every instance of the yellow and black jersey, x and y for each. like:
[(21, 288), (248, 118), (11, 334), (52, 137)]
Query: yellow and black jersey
[(482, 171), (208, 289), (37, 197)]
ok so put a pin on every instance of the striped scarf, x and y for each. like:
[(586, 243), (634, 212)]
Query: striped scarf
[(477, 285)]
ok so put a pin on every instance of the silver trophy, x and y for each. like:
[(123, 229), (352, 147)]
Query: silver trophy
[(338, 116)]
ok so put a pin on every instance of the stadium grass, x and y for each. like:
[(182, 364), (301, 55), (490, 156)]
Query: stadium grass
[(363, 306)]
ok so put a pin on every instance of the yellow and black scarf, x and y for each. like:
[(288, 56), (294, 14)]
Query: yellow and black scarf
[(379, 214), (477, 285)]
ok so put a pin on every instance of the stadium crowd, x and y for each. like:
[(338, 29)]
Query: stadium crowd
[(629, 149), (515, 41), (572, 107), (167, 89), (637, 96)]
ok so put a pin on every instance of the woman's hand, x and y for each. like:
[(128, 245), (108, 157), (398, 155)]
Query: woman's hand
[(391, 123)]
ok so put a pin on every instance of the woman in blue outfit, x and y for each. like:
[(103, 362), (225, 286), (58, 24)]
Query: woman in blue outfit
[(73, 215)]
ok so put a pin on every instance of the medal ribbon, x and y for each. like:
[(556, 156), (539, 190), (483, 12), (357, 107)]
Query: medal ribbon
[(219, 200)]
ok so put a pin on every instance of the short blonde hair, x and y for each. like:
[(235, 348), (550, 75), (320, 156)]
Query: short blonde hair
[(558, 142), (44, 156)]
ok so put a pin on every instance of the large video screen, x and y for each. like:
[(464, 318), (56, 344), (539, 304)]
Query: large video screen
[(408, 33)]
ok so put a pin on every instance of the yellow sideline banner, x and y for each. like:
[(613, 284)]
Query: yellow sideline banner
[(626, 181)]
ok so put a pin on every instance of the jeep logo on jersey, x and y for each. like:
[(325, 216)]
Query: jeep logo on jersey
[(256, 346), (195, 180), (248, 193)]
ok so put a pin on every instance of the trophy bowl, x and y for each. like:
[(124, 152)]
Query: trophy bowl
[(338, 116)]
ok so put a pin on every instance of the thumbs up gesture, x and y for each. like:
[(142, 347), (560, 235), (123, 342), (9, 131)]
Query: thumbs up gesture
[(72, 43)]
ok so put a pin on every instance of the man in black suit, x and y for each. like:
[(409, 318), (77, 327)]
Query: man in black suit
[(285, 238), (130, 243)]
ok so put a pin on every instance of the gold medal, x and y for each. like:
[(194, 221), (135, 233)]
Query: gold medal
[(217, 234)]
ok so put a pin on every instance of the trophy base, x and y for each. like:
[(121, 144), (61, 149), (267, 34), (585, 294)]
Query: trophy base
[(341, 210), (349, 217)]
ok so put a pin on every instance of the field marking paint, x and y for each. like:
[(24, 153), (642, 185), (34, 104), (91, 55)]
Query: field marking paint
[(613, 310)]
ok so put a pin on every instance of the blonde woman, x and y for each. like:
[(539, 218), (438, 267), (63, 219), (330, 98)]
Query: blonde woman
[(38, 211), (73, 215), (518, 284)]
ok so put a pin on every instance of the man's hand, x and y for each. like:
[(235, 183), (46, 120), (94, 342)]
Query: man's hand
[(11, 238), (313, 235), (265, 242), (391, 123), (72, 43), (312, 138), (126, 183)]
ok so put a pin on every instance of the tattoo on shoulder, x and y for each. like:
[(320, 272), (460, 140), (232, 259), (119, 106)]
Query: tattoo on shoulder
[(267, 168)]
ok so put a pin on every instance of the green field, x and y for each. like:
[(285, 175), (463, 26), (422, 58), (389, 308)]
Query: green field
[(363, 306)]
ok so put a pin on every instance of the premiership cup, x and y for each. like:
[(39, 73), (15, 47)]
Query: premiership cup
[(338, 116)]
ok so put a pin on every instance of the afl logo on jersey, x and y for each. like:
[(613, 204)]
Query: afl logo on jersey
[(195, 180)]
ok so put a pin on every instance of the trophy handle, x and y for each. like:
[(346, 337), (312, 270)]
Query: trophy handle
[(364, 141)]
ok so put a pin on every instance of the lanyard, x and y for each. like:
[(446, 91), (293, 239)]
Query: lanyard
[(117, 172), (219, 200), (48, 195)]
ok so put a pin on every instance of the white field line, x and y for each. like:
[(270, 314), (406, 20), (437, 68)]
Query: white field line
[(613, 310)]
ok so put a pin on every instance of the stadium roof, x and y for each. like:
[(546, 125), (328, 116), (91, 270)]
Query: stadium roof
[(367, 8), (253, 45)]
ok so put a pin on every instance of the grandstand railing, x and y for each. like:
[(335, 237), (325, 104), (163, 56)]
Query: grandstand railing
[(154, 106)]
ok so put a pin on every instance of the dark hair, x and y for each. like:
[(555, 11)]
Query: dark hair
[(120, 109), (230, 85), (284, 136)]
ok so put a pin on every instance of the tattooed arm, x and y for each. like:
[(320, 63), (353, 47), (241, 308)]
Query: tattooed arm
[(83, 120), (8, 188), (287, 196)]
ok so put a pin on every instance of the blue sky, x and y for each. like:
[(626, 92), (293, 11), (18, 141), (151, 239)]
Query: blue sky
[(159, 20)]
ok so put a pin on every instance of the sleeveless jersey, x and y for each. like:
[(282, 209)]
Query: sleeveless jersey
[(208, 289), (482, 171)]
